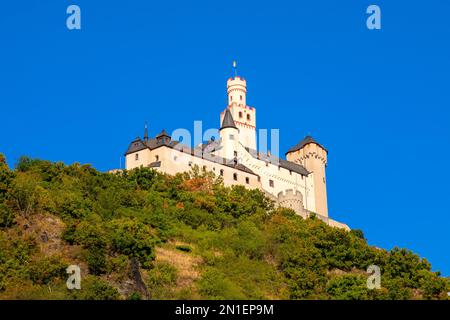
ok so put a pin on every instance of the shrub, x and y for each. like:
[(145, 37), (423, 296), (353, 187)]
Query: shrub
[(6, 216), (184, 248)]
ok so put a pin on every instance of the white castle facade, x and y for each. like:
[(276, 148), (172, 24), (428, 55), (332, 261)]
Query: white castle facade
[(298, 182)]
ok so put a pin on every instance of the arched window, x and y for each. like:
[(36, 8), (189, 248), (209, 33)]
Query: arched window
[(136, 157), (240, 114), (235, 176), (221, 172), (247, 180), (248, 117)]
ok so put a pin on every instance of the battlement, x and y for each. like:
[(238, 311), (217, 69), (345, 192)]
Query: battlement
[(293, 200)]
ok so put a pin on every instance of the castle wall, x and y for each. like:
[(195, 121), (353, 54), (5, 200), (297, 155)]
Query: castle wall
[(143, 159), (175, 161), (282, 178)]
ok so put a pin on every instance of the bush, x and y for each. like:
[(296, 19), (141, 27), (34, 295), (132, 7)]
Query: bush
[(95, 289), (162, 281), (184, 248), (45, 270), (214, 285), (348, 287), (6, 216), (132, 238), (96, 260)]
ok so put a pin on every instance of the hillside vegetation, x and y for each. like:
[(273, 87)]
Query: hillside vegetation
[(144, 235)]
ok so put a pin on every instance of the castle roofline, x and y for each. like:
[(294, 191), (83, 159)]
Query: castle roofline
[(152, 144), (305, 141), (288, 165)]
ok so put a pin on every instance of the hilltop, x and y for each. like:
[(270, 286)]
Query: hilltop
[(141, 234)]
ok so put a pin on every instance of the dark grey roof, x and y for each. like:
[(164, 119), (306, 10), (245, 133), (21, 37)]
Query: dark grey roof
[(138, 144), (163, 133), (240, 166), (228, 121), (151, 144), (304, 142), (292, 166)]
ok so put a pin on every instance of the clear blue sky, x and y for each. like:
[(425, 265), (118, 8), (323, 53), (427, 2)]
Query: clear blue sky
[(378, 100)]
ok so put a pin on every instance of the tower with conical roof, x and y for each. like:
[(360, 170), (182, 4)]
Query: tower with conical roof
[(313, 156), (229, 137)]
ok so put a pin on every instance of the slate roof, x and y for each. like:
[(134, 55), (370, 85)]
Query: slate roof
[(228, 121), (163, 133), (304, 142), (292, 166), (138, 144)]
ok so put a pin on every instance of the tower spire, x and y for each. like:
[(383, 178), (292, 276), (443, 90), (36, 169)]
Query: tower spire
[(146, 132)]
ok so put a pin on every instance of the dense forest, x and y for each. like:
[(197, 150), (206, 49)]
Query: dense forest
[(141, 234)]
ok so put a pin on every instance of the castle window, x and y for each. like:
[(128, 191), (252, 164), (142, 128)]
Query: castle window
[(259, 179), (241, 98), (290, 172), (221, 172), (240, 113), (247, 180), (231, 137), (235, 153), (190, 163), (136, 157), (271, 184), (323, 179), (204, 168), (248, 117), (235, 176), (157, 158)]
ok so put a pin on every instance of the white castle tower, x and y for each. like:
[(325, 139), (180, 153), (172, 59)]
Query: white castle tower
[(244, 116)]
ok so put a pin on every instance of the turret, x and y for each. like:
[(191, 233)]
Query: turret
[(243, 115), (313, 156), (229, 135)]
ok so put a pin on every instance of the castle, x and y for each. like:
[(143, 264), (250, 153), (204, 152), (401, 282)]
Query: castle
[(298, 182)]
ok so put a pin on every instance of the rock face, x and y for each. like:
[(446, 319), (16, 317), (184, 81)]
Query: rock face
[(139, 285)]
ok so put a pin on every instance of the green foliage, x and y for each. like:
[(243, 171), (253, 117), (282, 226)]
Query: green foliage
[(236, 245), (162, 281), (44, 270), (132, 238), (348, 287), (96, 260), (215, 285), (95, 289), (6, 216)]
